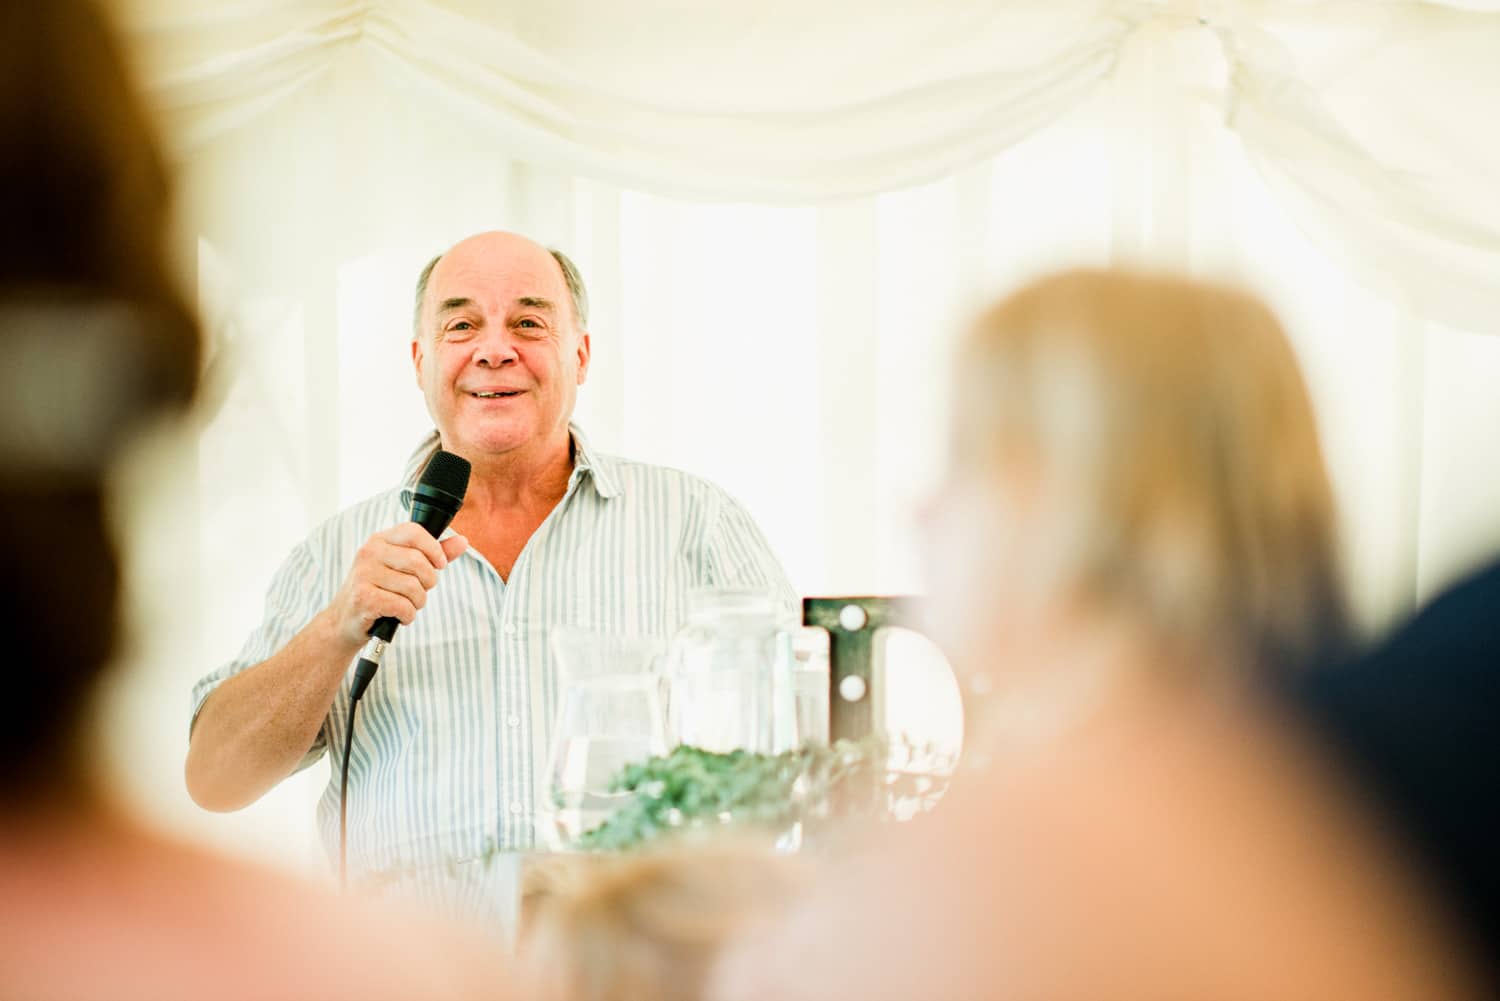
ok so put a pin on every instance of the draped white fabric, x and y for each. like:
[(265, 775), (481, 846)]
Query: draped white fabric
[(779, 100), (784, 210), (1370, 119)]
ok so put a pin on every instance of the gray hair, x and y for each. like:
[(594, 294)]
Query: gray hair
[(577, 292)]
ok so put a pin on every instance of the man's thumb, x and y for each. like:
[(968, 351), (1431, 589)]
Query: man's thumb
[(453, 545)]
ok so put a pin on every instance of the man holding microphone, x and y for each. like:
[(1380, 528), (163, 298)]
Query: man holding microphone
[(453, 731)]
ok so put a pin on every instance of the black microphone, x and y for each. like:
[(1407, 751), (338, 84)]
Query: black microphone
[(439, 495)]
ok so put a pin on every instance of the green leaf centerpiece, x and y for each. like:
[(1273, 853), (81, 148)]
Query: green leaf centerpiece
[(691, 789)]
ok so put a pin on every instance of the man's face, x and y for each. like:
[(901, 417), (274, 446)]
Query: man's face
[(500, 355)]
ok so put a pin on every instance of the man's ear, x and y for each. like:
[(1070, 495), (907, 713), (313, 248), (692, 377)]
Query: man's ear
[(585, 348), (416, 357)]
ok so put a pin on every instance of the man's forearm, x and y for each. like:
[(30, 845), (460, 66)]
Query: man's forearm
[(256, 726)]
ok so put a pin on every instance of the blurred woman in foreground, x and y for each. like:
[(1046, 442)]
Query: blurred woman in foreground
[(1137, 524), (95, 341), (1136, 493)]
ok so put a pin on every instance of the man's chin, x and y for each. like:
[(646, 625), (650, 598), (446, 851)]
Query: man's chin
[(492, 441)]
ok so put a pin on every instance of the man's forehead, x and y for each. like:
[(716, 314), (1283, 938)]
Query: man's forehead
[(509, 267), (495, 291)]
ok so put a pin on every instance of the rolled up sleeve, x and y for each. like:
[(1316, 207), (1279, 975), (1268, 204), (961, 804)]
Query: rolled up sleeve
[(294, 597)]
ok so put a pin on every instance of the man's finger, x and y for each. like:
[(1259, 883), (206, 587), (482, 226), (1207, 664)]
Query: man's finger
[(383, 603), (404, 559), (403, 584), (414, 536)]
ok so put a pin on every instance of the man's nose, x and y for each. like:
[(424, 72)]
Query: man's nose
[(496, 348)]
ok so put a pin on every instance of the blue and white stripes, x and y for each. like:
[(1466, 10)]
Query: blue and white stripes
[(453, 733)]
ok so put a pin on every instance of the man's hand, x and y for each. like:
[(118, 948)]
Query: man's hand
[(255, 727), (391, 575)]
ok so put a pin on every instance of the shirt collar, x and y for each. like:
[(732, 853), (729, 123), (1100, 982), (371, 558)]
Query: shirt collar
[(599, 468)]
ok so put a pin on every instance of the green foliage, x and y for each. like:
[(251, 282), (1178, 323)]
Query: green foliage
[(692, 789), (820, 788)]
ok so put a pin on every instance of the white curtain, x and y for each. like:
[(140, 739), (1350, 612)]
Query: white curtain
[(784, 211), (1372, 120)]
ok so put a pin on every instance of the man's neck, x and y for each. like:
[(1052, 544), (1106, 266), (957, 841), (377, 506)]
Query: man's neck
[(527, 479)]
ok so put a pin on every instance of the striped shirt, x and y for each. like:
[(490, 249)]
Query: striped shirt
[(453, 733)]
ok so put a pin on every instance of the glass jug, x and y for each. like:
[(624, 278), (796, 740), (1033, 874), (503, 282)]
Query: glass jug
[(731, 685), (609, 715)]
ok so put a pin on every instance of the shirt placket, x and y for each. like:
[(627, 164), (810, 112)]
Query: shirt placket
[(518, 733), (509, 723)]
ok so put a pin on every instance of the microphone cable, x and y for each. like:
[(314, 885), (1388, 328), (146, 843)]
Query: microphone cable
[(437, 497), (344, 799)]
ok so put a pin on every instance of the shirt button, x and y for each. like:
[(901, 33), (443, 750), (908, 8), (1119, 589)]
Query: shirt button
[(513, 720), (510, 629), (515, 808)]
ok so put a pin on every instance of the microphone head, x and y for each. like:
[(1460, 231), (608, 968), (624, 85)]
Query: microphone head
[(446, 474)]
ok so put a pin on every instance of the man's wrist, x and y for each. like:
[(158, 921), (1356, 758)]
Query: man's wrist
[(326, 634)]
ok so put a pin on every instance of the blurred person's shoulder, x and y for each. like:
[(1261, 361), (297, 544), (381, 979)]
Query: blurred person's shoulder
[(1175, 850), (1413, 724), (1447, 656), (116, 911)]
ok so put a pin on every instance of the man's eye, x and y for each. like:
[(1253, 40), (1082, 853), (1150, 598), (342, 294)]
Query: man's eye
[(461, 325), (528, 322)]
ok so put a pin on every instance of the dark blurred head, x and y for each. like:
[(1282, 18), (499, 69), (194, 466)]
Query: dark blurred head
[(95, 338)]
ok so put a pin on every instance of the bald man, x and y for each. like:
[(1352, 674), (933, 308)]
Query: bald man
[(453, 731)]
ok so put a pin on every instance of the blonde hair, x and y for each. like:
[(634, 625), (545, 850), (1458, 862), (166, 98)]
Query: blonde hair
[(1182, 479), (649, 927)]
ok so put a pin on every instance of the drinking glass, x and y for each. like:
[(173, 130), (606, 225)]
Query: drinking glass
[(810, 684), (609, 715), (724, 666)]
